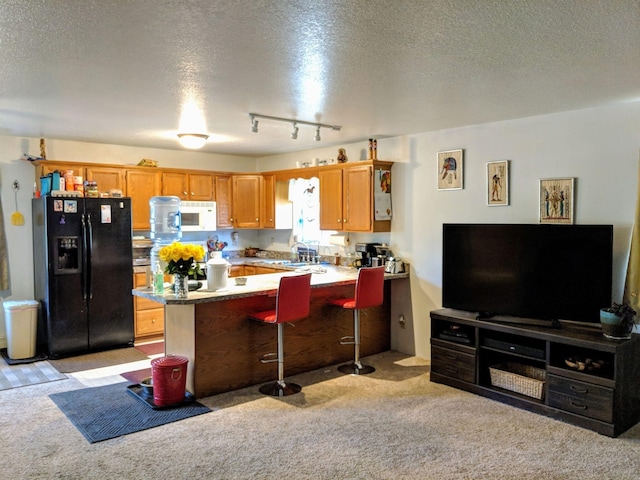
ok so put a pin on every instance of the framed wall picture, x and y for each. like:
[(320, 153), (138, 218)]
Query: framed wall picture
[(556, 200), (498, 183), (450, 169)]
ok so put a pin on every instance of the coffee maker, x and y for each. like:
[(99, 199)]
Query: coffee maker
[(367, 252)]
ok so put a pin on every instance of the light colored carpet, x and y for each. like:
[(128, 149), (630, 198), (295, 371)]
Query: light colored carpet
[(98, 360), (21, 375), (393, 424)]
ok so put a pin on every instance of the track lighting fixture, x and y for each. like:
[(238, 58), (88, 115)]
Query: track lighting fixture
[(294, 122), (192, 140)]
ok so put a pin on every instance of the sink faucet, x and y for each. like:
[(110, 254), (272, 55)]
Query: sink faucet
[(306, 255)]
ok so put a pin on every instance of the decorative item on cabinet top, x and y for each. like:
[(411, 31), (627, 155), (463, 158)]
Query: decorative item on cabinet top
[(147, 162)]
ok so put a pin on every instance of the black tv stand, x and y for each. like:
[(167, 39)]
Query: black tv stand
[(537, 322), (536, 368)]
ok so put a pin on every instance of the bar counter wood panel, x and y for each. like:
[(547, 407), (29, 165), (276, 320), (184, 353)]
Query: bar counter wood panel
[(226, 345)]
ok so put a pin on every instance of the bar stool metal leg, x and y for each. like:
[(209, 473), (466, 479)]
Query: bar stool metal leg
[(280, 388), (356, 368)]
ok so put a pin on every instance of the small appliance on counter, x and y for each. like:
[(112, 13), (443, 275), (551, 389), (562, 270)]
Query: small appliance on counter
[(368, 252), (394, 265)]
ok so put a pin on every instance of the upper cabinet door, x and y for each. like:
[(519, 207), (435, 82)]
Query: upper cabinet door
[(246, 201), (200, 187), (331, 216), (358, 199), (268, 204), (107, 178), (175, 184), (141, 186), (224, 190)]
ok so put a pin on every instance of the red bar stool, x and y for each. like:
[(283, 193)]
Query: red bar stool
[(369, 292), (292, 303)]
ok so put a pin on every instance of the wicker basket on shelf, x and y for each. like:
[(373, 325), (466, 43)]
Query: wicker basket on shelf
[(523, 379)]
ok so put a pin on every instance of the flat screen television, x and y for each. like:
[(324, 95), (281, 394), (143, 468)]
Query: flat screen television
[(529, 271)]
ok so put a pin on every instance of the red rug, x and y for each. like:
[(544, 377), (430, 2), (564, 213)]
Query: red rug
[(137, 375)]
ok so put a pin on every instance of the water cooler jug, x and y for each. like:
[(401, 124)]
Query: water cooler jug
[(164, 217)]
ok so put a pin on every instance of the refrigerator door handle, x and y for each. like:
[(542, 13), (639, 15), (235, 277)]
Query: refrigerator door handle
[(84, 257), (89, 244)]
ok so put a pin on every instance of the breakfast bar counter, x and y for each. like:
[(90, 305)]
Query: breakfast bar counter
[(224, 346)]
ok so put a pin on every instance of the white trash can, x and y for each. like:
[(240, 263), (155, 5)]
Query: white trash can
[(21, 323)]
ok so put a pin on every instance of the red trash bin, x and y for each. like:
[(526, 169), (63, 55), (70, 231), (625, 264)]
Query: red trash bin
[(169, 379)]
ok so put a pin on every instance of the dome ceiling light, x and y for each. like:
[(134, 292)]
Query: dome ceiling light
[(192, 140)]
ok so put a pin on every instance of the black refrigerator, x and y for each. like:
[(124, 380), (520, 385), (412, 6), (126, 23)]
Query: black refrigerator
[(82, 255)]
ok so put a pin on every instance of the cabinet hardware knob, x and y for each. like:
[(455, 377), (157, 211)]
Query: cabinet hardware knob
[(452, 369), (578, 405), (184, 193), (192, 194), (451, 357), (153, 320)]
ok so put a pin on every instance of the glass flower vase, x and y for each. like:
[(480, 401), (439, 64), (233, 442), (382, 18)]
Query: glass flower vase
[(180, 285)]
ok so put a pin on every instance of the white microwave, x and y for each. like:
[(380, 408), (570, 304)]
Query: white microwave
[(198, 216)]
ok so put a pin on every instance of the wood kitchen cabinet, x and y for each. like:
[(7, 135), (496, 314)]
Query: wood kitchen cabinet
[(268, 204), (224, 197), (276, 210), (142, 184), (246, 201), (346, 198), (331, 199), (107, 177), (188, 186), (148, 315)]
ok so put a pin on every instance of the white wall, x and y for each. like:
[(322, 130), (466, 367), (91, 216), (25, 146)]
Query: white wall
[(599, 147), (12, 168)]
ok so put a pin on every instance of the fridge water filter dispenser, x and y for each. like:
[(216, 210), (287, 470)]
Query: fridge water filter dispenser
[(67, 255)]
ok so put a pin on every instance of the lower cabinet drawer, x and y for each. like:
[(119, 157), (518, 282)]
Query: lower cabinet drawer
[(453, 364), (141, 303), (149, 322), (580, 397)]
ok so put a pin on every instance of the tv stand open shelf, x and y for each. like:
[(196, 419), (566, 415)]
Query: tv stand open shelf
[(604, 397)]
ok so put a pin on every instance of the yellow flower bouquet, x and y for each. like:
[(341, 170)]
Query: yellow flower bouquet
[(182, 258)]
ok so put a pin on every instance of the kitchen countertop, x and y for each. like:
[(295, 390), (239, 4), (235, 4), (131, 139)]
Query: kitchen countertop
[(266, 284)]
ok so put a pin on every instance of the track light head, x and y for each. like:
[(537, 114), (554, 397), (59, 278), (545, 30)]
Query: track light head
[(317, 137), (294, 134)]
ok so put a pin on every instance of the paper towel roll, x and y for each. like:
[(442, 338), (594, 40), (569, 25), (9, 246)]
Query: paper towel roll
[(342, 240)]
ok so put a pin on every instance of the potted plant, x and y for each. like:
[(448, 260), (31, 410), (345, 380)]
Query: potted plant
[(617, 321)]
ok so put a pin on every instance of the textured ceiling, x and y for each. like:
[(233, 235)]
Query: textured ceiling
[(131, 72)]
